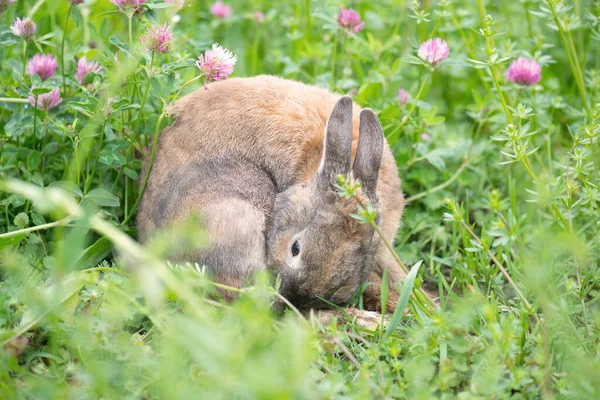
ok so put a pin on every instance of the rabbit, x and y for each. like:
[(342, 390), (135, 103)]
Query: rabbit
[(257, 159)]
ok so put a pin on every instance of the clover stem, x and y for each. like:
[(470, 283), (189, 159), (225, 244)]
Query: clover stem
[(62, 51)]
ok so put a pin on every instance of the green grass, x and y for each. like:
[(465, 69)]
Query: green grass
[(505, 218)]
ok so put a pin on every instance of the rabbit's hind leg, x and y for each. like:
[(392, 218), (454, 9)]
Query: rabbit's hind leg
[(236, 242), (232, 197)]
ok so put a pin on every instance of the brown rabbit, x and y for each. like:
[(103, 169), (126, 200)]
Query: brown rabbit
[(257, 159)]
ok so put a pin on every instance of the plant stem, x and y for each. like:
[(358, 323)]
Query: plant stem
[(489, 52), (527, 164), (107, 269), (146, 90), (435, 28), (35, 113), (529, 27), (441, 186), (333, 57), (418, 294), (579, 70), (413, 106), (24, 59), (130, 29), (308, 19), (184, 85), (49, 225), (255, 51), (77, 158), (481, 9), (88, 181), (13, 100), (389, 247), (416, 100), (502, 269), (150, 164), (469, 47), (35, 7), (62, 50), (135, 88), (573, 62)]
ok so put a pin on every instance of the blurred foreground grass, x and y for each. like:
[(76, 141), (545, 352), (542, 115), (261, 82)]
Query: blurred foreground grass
[(502, 181)]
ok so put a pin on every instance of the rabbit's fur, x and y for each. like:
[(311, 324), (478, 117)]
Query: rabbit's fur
[(247, 155)]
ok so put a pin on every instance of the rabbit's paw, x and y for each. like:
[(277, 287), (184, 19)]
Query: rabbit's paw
[(365, 319), (361, 318)]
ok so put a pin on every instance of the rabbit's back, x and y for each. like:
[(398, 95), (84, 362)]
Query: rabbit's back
[(277, 123)]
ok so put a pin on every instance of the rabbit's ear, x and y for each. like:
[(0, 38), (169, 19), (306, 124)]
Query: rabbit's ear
[(370, 150), (338, 142)]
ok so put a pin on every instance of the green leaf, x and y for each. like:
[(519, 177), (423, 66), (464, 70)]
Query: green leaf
[(436, 120), (14, 240), (68, 287), (371, 90), (151, 14), (413, 60), (176, 66), (131, 173), (68, 186), (156, 86), (34, 159), (76, 15), (93, 255), (37, 179), (37, 219), (45, 40), (50, 148), (16, 200), (407, 288), (41, 90), (110, 154), (122, 46), (109, 132), (435, 160), (88, 131), (89, 78), (36, 81), (7, 38), (151, 122), (102, 197), (128, 107), (157, 6), (17, 125), (73, 244)]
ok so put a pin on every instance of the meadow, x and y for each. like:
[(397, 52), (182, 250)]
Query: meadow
[(491, 108)]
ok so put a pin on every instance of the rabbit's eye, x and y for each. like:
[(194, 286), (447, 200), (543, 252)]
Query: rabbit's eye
[(295, 248)]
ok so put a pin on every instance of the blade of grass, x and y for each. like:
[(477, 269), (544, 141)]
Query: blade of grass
[(404, 297)]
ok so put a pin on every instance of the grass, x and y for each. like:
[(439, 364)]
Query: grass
[(503, 183)]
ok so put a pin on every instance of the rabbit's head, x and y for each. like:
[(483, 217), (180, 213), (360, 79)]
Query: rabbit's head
[(314, 244)]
